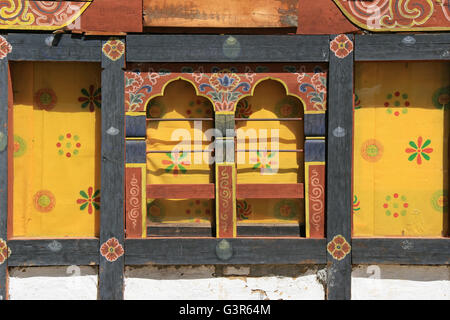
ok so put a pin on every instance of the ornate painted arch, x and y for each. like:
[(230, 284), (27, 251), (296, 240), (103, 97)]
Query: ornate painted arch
[(225, 85)]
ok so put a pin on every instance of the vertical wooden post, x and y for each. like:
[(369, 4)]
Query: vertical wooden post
[(225, 177), (111, 263), (3, 177), (339, 169)]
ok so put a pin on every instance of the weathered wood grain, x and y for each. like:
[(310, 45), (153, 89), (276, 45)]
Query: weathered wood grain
[(315, 125), (54, 47), (401, 251), (222, 14), (136, 151), (245, 251), (3, 170), (112, 175), (136, 126), (379, 47), (315, 150), (53, 252), (339, 170), (225, 48)]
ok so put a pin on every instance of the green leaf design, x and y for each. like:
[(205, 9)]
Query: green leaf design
[(169, 168), (84, 205), (412, 157), (427, 143), (96, 193), (427, 157), (413, 144), (96, 206), (85, 92), (83, 194)]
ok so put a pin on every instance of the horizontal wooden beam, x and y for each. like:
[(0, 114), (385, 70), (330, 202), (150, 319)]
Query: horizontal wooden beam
[(401, 251), (223, 14), (243, 230), (238, 250), (270, 191), (54, 47), (388, 47), (53, 252), (226, 48), (181, 191)]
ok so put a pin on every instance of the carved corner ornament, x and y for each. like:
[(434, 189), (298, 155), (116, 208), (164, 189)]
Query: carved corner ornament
[(112, 250), (338, 248), (5, 252), (5, 48)]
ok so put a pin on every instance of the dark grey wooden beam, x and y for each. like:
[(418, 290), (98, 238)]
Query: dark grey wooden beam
[(232, 251), (401, 251), (388, 47), (53, 252), (226, 48), (339, 172), (112, 175), (53, 47), (3, 169)]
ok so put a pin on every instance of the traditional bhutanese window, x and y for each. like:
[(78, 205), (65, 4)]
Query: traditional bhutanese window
[(401, 149), (179, 161), (56, 153), (270, 162), (188, 175)]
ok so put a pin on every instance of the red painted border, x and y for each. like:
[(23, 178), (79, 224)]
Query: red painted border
[(133, 205), (316, 194)]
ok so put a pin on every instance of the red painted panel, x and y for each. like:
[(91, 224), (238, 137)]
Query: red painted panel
[(226, 227), (316, 194), (112, 16), (133, 202)]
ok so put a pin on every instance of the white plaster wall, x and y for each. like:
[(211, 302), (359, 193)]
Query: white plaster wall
[(393, 282), (53, 283), (202, 283)]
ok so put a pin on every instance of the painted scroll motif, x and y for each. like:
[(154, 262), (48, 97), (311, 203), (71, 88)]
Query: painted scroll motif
[(39, 15), (398, 15)]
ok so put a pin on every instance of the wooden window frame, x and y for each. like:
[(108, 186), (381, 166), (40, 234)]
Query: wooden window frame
[(188, 48)]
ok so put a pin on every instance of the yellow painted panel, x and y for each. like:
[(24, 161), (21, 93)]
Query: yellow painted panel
[(56, 149), (401, 149)]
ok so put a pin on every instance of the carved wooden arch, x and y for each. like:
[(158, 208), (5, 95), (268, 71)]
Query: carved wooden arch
[(225, 85), (167, 83)]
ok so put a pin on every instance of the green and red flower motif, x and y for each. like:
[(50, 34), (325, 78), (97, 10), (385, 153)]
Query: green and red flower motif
[(176, 163), (397, 100), (396, 205), (68, 145), (90, 200), (264, 160), (356, 203), (441, 98), (338, 248), (155, 211), (243, 209), (92, 98), (44, 201), (112, 250), (5, 252), (439, 201), (20, 146), (286, 209), (45, 99), (419, 150), (198, 207), (243, 109), (357, 102), (224, 80), (287, 107)]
